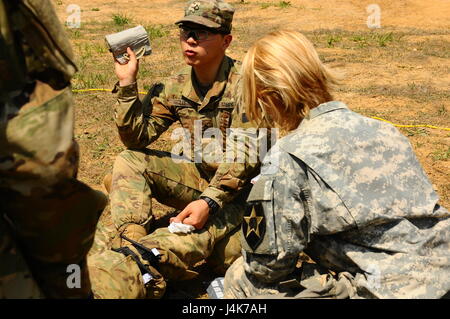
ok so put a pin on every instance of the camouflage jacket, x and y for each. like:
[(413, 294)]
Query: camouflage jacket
[(349, 191), (177, 100), (47, 217)]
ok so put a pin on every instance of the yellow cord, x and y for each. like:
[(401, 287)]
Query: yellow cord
[(90, 90), (418, 125), (103, 90), (374, 117)]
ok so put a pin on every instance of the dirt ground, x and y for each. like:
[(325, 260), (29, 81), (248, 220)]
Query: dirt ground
[(399, 72)]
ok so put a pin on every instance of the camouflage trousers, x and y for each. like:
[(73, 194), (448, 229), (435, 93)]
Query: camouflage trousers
[(314, 282), (114, 275), (137, 178)]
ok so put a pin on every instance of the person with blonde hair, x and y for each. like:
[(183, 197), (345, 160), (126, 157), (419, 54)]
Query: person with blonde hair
[(346, 190)]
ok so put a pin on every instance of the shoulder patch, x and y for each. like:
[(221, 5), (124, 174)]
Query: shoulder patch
[(155, 90), (254, 225)]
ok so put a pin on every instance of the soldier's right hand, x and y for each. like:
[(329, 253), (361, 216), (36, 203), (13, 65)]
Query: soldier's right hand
[(127, 73)]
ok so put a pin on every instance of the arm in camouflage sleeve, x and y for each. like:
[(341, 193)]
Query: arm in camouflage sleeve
[(234, 173), (284, 201), (139, 124)]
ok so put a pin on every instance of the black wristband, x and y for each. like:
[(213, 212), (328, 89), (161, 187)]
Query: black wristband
[(213, 206)]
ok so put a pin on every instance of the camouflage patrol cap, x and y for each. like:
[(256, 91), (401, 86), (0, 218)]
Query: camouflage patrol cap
[(214, 14)]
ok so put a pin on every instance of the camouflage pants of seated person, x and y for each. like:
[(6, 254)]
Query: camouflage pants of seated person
[(314, 282), (114, 275), (140, 176)]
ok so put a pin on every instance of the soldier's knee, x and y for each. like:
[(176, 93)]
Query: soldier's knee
[(170, 265), (128, 159), (132, 163), (125, 232), (116, 276)]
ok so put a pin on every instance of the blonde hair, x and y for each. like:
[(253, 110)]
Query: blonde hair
[(283, 78)]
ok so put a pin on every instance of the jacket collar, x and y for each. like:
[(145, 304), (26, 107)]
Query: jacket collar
[(325, 108), (217, 88), (322, 109)]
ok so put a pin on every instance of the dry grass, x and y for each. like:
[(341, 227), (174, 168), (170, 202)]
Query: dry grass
[(399, 72)]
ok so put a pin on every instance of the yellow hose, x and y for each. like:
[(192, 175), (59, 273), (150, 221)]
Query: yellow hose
[(374, 117), (102, 90), (418, 125)]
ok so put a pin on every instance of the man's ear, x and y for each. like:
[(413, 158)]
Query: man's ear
[(226, 41)]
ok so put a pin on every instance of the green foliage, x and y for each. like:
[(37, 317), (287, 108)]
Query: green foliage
[(441, 155), (373, 39), (280, 4), (89, 80), (120, 19), (419, 131), (442, 110), (384, 39), (99, 149), (360, 40), (332, 39), (74, 33), (155, 32), (284, 4)]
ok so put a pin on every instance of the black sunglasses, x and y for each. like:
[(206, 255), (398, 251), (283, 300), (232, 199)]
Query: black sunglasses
[(196, 34)]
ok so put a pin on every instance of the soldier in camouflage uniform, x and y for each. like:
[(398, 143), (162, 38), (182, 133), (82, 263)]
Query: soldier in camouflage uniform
[(345, 189), (211, 194), (48, 217)]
